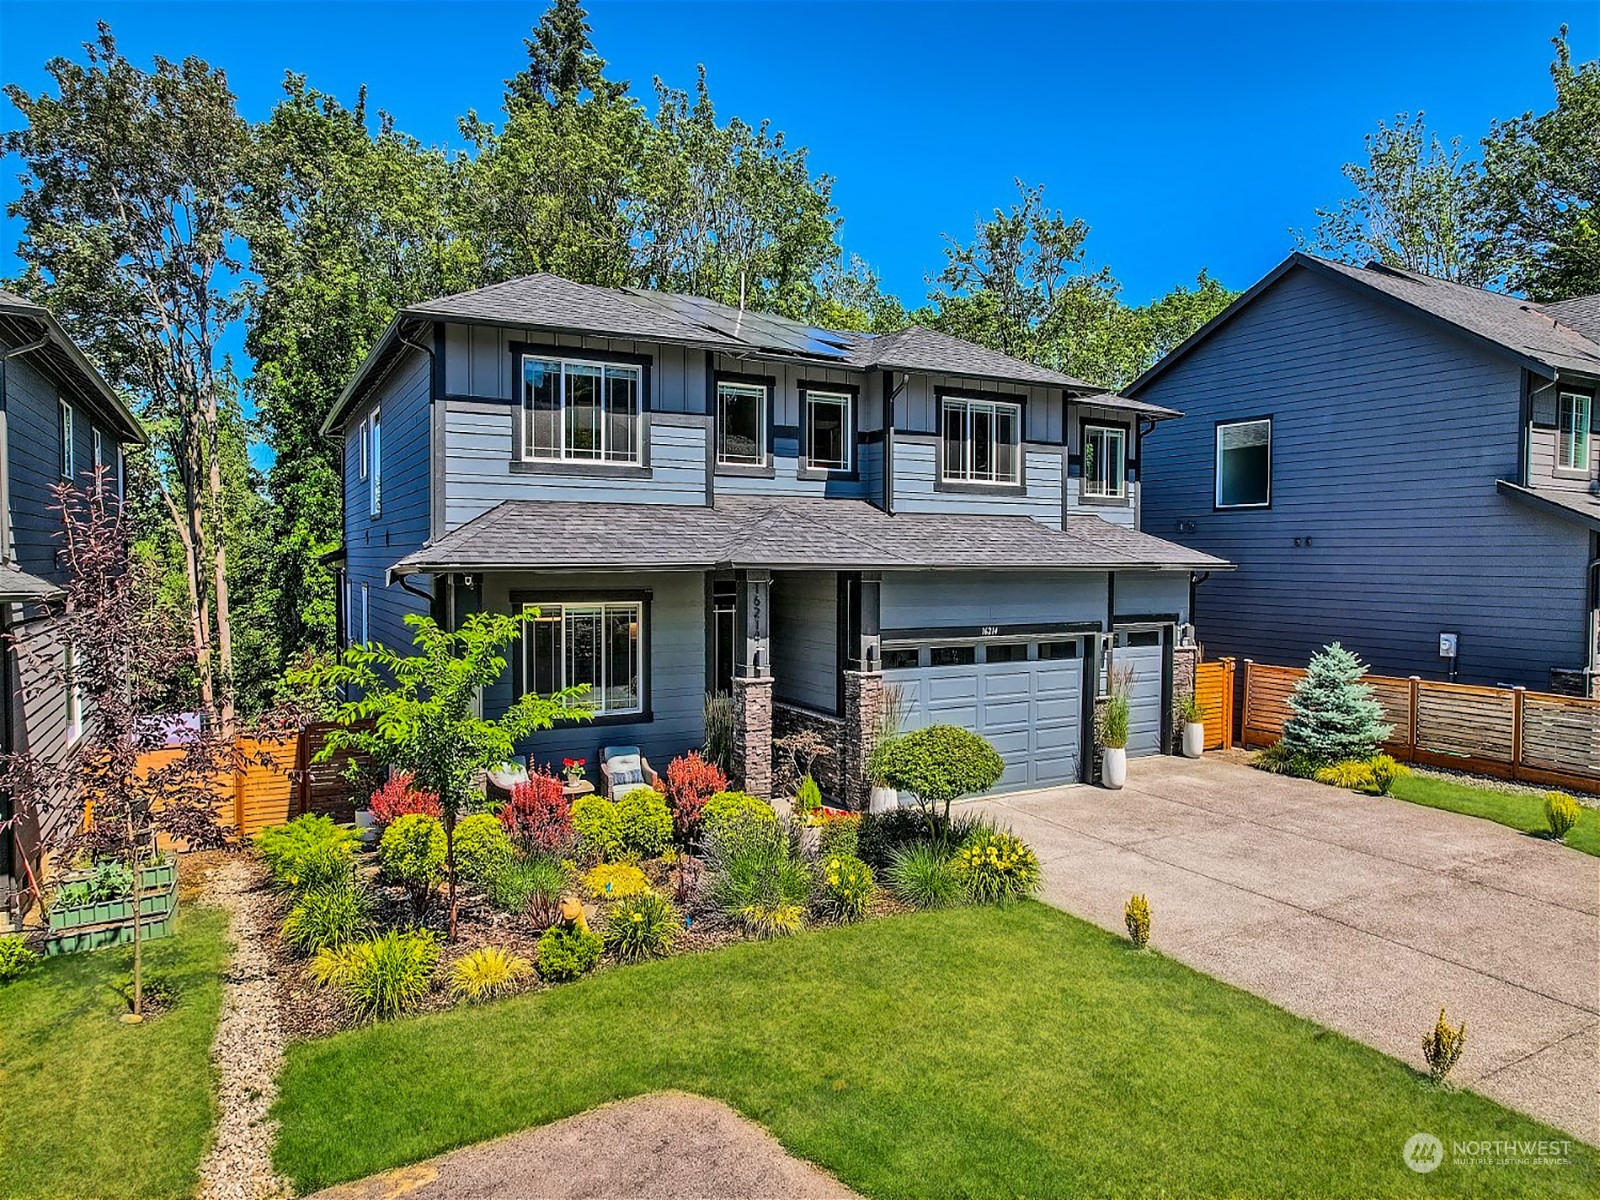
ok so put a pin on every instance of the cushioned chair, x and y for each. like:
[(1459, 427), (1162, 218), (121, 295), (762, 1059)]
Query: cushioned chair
[(624, 768)]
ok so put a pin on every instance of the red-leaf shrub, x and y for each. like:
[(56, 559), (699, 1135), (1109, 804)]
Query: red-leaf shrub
[(397, 797), (538, 815), (691, 781)]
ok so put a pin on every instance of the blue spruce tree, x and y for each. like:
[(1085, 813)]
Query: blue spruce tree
[(1335, 716)]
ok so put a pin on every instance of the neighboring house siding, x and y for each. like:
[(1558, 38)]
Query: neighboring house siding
[(805, 639), (39, 728), (1388, 437), (374, 543), (1542, 438), (1152, 593)]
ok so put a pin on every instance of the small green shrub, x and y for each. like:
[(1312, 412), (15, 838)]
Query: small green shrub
[(940, 764), (757, 877), (1385, 770), (728, 811), (613, 881), (642, 926), (1279, 759), (1115, 717), (328, 916), (808, 800), (923, 876), (1561, 813), (995, 866), (387, 975), (483, 848), (844, 887), (840, 833), (1136, 916), (411, 852), (533, 885), (879, 835), (309, 852), (566, 952), (637, 824), (1355, 775), (16, 959), (486, 973), (1442, 1047)]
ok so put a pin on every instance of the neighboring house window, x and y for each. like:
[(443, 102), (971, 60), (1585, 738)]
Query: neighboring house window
[(981, 441), (1105, 459), (67, 467), (99, 464), (1572, 443), (375, 469), (827, 417), (1244, 464), (74, 697), (363, 438), (363, 614), (742, 424), (581, 411), (594, 642)]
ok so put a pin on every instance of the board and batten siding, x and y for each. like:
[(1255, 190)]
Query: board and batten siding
[(1152, 593), (375, 543), (1388, 436), (916, 483), (805, 639)]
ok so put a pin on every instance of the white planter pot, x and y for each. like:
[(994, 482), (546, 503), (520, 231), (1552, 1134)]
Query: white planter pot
[(883, 799), (1114, 767), (1194, 739)]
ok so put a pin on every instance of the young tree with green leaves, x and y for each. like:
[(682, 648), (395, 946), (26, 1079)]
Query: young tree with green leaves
[(418, 712)]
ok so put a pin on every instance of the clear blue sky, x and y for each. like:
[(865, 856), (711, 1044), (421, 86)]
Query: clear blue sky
[(1188, 135)]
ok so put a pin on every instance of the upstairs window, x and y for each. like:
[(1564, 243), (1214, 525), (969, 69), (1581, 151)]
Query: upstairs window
[(1572, 438), (1244, 464), (982, 441), (742, 424), (99, 463), (596, 643), (1105, 458), (827, 430), (68, 468), (375, 462), (579, 411)]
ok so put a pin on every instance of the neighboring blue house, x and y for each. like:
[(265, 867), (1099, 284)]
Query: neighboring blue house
[(59, 420), (700, 499), (1388, 459)]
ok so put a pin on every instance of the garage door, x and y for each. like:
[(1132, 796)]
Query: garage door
[(1026, 699), (1140, 650)]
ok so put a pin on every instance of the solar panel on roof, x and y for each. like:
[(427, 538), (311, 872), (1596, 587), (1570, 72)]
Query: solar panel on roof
[(758, 330)]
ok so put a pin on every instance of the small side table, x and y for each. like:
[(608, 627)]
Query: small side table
[(573, 790)]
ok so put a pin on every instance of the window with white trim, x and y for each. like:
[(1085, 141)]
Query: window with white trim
[(99, 463), (1244, 464), (594, 642), (363, 614), (68, 467), (1573, 411), (1105, 458), (827, 430), (364, 452), (578, 410), (375, 466), (741, 424), (74, 696), (982, 441)]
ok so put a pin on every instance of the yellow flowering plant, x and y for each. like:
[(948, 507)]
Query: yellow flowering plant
[(642, 926), (995, 866), (844, 887)]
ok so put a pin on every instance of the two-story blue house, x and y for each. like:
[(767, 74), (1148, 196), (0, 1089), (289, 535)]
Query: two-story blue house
[(698, 499), (1405, 464), (59, 421)]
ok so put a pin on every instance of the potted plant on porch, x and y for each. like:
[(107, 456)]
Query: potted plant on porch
[(1114, 717), (1192, 715), (891, 718)]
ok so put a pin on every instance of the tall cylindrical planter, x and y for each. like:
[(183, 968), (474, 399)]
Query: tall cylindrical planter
[(883, 799), (1114, 767), (1194, 739)]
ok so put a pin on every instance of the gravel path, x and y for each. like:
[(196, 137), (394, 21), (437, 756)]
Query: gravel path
[(249, 1045)]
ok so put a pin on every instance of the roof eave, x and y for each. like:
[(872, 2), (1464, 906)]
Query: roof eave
[(129, 427), (1531, 498)]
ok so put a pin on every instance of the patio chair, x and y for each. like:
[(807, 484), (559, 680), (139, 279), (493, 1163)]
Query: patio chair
[(623, 768)]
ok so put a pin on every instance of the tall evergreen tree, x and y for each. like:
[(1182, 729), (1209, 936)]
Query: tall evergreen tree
[(1334, 717)]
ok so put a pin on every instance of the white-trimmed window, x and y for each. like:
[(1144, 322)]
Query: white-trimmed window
[(742, 423), (99, 463), (594, 642), (364, 452), (1244, 464), (580, 410), (74, 696), (1105, 458), (363, 614), (1573, 411), (375, 463), (982, 441), (68, 466), (827, 430)]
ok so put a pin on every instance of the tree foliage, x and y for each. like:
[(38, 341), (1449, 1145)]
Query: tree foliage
[(1333, 715)]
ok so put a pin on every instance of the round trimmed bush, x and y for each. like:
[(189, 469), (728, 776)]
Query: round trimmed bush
[(411, 852), (566, 952), (727, 811), (941, 763), (613, 881), (483, 848), (636, 825)]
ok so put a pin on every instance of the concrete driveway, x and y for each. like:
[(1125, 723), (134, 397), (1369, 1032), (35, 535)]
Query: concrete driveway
[(1360, 913)]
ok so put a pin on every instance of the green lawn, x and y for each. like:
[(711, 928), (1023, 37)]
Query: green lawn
[(1516, 809), (92, 1107), (977, 1052)]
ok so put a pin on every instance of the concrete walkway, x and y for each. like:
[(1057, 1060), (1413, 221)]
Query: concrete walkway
[(1361, 913)]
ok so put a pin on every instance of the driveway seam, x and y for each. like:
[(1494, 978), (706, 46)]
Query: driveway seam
[(1587, 1030)]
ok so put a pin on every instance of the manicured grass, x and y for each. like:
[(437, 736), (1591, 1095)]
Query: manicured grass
[(92, 1107), (976, 1052), (1516, 809)]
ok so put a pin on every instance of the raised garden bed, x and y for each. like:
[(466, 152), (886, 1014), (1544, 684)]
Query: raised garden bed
[(101, 923)]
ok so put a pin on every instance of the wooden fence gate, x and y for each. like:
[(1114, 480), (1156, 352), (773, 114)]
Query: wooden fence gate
[(1213, 687)]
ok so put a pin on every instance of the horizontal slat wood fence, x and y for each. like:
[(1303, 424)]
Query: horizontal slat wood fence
[(1511, 733), (1213, 687)]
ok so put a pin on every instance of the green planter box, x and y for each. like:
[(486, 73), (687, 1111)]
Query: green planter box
[(153, 905), (100, 936), (160, 876)]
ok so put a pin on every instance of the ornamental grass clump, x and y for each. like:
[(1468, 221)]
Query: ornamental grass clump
[(1334, 716), (923, 876), (844, 887), (613, 881), (1136, 916), (1561, 813), (1442, 1047), (383, 977), (568, 951), (642, 926), (533, 885), (759, 879), (995, 866), (487, 973), (309, 852), (328, 916)]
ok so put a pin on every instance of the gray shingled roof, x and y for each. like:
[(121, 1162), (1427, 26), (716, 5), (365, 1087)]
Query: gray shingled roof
[(1581, 507), (17, 586), (783, 532), (918, 348), (1581, 313)]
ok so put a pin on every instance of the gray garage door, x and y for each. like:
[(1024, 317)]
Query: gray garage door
[(1141, 650), (1025, 699)]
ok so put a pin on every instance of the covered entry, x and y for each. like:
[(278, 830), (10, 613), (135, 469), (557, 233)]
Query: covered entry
[(1024, 695)]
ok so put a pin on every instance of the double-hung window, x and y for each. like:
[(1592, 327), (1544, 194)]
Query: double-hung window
[(580, 411), (742, 424), (375, 462), (598, 643), (982, 441), (1572, 434), (1244, 464), (1105, 456), (68, 469), (827, 430)]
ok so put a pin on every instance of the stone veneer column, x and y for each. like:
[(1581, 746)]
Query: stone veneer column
[(752, 734), (863, 706), (1184, 659)]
